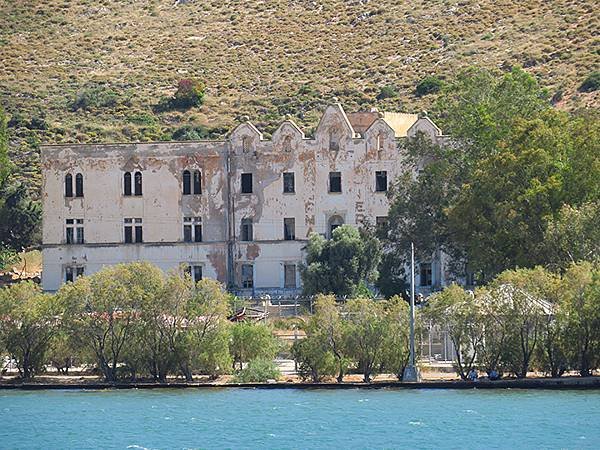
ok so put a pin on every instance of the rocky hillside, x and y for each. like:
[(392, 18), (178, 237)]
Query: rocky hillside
[(92, 70)]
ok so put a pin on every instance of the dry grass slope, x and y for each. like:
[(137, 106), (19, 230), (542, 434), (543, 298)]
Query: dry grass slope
[(266, 59)]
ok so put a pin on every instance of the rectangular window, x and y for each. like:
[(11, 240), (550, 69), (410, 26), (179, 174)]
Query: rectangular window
[(289, 185), (381, 181), (195, 271), (192, 229), (335, 182), (73, 272), (133, 230), (74, 231), (289, 275), (381, 221), (246, 183), (137, 183), (246, 232), (247, 276), (289, 228), (425, 274)]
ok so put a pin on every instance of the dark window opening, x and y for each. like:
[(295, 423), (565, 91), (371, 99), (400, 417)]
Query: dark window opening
[(247, 276), (187, 233), (381, 181), (133, 231), (78, 185), (334, 222), (289, 275), (69, 276), (138, 183), (246, 234), (335, 182), (197, 182), (195, 272), (127, 183), (246, 183), (74, 231), (425, 274), (289, 229), (68, 185), (187, 182), (289, 185), (192, 229)]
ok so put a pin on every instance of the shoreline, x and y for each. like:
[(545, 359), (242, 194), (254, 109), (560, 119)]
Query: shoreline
[(578, 383)]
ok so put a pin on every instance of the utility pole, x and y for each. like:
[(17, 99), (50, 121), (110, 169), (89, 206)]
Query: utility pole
[(411, 373)]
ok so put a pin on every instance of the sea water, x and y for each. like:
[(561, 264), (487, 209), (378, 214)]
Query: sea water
[(298, 419)]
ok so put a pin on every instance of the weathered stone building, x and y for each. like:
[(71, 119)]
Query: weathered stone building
[(238, 210)]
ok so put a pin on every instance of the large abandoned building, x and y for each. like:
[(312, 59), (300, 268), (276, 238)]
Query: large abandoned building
[(239, 210)]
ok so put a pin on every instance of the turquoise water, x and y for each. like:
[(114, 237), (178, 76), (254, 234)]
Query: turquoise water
[(246, 418)]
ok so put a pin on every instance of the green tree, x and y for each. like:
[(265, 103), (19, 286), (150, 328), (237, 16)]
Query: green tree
[(574, 235), (365, 334), (330, 328), (456, 311), (580, 310), (205, 345), (19, 215), (339, 265), (103, 310), (396, 347), (258, 370), (251, 341), (525, 298), (315, 359), (29, 320)]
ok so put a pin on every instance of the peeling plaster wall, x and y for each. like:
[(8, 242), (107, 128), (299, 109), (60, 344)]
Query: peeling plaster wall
[(162, 205)]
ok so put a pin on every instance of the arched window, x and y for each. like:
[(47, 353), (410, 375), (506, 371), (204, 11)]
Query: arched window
[(334, 141), (287, 144), (334, 222), (246, 144), (380, 142), (187, 182), (138, 183), (68, 185), (78, 185), (127, 183), (197, 182)]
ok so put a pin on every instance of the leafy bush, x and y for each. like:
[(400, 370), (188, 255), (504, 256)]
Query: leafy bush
[(387, 92), (428, 85), (94, 97), (591, 83), (190, 93), (259, 370)]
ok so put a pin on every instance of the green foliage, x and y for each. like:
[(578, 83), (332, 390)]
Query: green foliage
[(315, 359), (487, 197), (574, 235), (580, 311), (19, 215), (258, 370), (251, 341), (428, 85), (189, 93), (591, 83), (94, 97), (396, 347), (454, 310), (387, 92), (339, 265), (29, 320)]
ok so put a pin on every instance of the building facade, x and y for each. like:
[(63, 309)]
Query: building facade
[(238, 210)]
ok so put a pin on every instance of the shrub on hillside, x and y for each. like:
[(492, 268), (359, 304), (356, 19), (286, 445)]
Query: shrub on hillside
[(94, 97), (591, 83), (428, 85), (387, 92), (190, 93)]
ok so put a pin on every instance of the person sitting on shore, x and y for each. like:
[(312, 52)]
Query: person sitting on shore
[(493, 375), (472, 375)]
